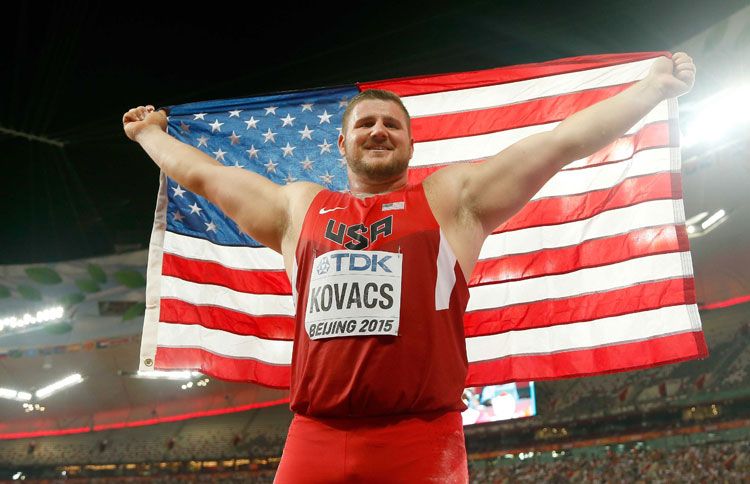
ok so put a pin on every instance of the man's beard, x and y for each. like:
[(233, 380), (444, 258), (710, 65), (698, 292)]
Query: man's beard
[(378, 171)]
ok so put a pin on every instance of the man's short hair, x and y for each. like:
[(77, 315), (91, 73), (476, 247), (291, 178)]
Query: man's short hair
[(377, 94)]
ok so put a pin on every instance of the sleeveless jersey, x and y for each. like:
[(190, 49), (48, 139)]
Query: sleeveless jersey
[(363, 345)]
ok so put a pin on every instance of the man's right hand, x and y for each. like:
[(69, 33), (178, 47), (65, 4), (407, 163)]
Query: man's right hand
[(142, 117)]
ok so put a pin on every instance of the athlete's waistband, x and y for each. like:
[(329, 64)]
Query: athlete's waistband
[(378, 421)]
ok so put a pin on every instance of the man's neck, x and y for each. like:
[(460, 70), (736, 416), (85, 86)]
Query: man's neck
[(367, 188)]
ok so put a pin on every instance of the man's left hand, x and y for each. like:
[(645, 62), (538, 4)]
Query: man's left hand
[(673, 77)]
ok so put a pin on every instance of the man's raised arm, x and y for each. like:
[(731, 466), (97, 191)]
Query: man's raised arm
[(260, 207), (492, 191)]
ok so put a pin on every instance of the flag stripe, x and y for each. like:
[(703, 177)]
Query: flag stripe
[(591, 253), (231, 369), (593, 279), (590, 361), (248, 258), (219, 317), (587, 334), (223, 343), (584, 307)]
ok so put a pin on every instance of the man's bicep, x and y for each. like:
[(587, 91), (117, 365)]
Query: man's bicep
[(501, 185), (259, 206)]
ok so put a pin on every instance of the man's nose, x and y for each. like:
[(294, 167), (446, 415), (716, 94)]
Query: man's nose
[(378, 130)]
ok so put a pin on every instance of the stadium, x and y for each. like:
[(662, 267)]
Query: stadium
[(77, 254)]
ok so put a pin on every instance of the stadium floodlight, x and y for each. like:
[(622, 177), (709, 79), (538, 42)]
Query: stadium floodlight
[(14, 395), (713, 219), (59, 385), (168, 375), (717, 116), (42, 316)]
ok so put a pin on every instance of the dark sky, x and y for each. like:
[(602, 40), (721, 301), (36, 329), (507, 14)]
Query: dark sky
[(76, 187)]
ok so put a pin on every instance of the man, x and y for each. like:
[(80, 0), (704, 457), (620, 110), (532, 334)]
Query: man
[(379, 273)]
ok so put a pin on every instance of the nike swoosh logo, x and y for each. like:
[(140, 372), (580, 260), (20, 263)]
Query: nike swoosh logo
[(326, 210)]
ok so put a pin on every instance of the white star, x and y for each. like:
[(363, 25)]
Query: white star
[(288, 149), (210, 227), (306, 133), (237, 164), (235, 138), (177, 216), (342, 162), (327, 178), (235, 114), (325, 147), (288, 120), (344, 101), (251, 123), (219, 155), (289, 179), (184, 127), (200, 116), (252, 152), (307, 163), (271, 110), (339, 130), (271, 166), (306, 107), (216, 126), (194, 208), (203, 141), (269, 135), (178, 191), (325, 117)]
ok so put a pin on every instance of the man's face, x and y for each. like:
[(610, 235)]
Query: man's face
[(377, 142)]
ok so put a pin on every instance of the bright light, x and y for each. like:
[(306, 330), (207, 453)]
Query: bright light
[(58, 385), (168, 375), (718, 115), (14, 395), (27, 319), (713, 219), (23, 396), (691, 229), (696, 218)]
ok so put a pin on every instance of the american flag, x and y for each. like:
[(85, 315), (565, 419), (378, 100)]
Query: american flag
[(593, 275)]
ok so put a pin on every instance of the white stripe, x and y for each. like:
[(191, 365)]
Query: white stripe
[(446, 274), (248, 258), (582, 281), (612, 222), (210, 295), (484, 145), (590, 334), (520, 91), (607, 176), (224, 343)]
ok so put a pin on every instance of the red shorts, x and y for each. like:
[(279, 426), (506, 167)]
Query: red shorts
[(418, 448)]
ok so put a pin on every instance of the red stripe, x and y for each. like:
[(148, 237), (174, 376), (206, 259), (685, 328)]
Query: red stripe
[(411, 86), (217, 317), (594, 361), (206, 272), (510, 116), (726, 303), (654, 135), (558, 210), (586, 307), (226, 368), (591, 253)]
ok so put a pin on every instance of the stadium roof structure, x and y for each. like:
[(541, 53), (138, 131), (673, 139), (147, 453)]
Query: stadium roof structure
[(78, 193)]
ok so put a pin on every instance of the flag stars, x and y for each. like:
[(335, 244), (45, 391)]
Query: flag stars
[(184, 127), (201, 116), (251, 123), (306, 107), (342, 162), (344, 101), (289, 179), (325, 147), (252, 152), (210, 227), (177, 216), (269, 135), (271, 166), (203, 141), (306, 133), (288, 120), (325, 117), (327, 178), (271, 110), (288, 149), (219, 155), (234, 138), (307, 163), (216, 126), (235, 113), (178, 191), (194, 208)]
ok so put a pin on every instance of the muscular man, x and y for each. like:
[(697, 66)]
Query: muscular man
[(379, 273)]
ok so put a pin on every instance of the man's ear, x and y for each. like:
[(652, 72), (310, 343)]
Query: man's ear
[(341, 145)]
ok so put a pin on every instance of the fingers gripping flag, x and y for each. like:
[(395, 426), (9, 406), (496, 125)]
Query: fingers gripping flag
[(593, 275)]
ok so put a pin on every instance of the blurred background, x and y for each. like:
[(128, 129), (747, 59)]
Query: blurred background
[(79, 200)]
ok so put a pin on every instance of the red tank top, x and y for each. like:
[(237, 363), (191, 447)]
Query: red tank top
[(345, 363)]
